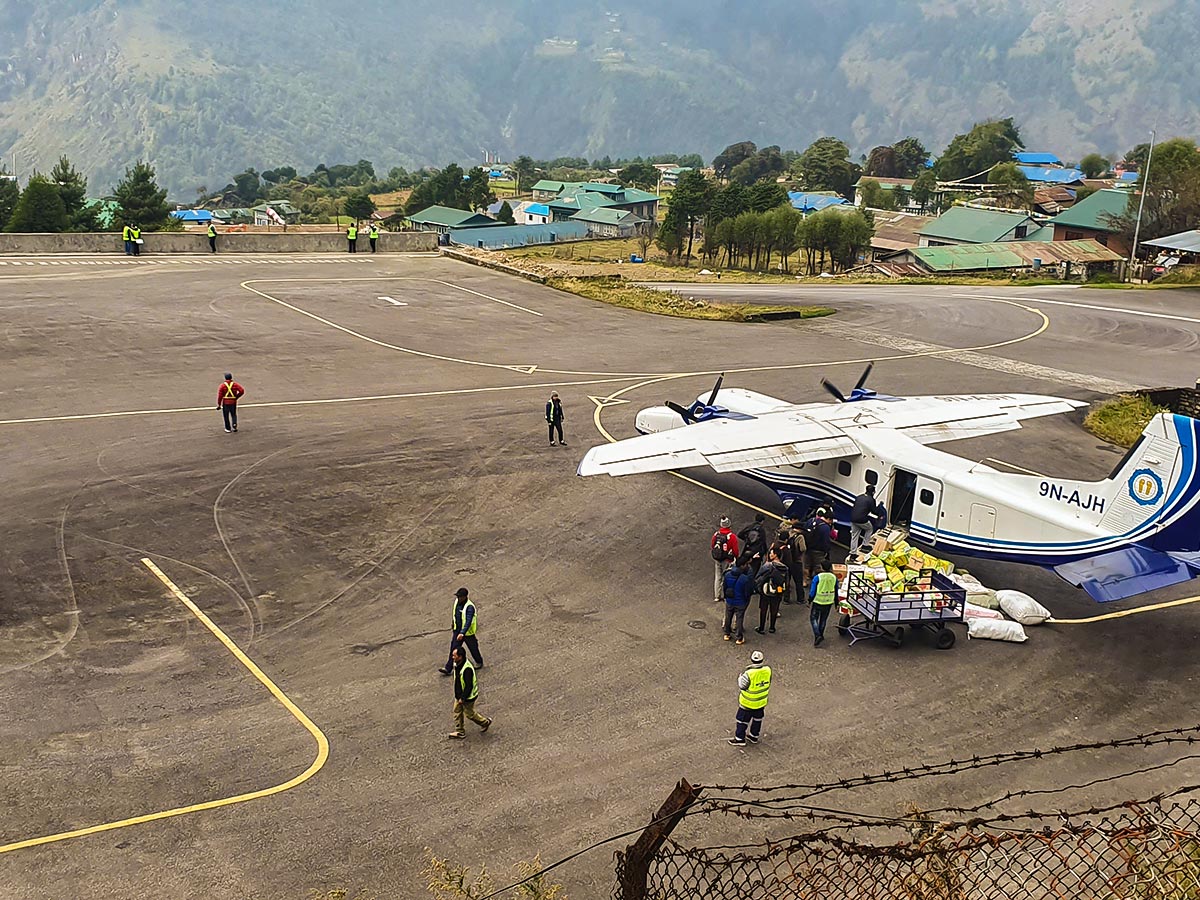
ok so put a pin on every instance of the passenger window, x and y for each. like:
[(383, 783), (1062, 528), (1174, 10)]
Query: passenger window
[(844, 468), (927, 496), (872, 476)]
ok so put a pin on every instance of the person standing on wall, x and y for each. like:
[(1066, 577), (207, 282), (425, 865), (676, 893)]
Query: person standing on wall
[(373, 235), (228, 395), (352, 238), (212, 237), (554, 418)]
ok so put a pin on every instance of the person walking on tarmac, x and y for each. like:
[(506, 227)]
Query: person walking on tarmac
[(135, 239), (127, 237), (739, 585), (823, 594), (465, 624), (753, 686), (373, 235), (466, 692), (724, 546), (212, 237), (228, 395), (554, 418)]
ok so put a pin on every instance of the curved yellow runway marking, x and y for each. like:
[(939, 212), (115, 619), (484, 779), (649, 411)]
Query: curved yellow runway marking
[(1124, 613), (284, 701)]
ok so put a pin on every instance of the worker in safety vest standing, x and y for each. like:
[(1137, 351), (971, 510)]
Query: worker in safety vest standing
[(352, 238), (466, 691), (135, 239), (465, 624), (754, 684), (227, 397), (822, 594), (212, 237), (373, 235), (127, 237)]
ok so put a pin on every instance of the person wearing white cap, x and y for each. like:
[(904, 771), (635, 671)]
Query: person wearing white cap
[(724, 545), (753, 685)]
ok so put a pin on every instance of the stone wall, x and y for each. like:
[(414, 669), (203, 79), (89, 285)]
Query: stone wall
[(167, 242), (1177, 400)]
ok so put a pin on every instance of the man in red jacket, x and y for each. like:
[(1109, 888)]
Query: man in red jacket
[(227, 398), (724, 546)]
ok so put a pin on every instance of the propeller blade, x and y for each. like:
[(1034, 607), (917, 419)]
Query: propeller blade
[(865, 375), (828, 385), (712, 398), (683, 412)]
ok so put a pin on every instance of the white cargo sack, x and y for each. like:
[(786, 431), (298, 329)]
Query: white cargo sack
[(1022, 607), (972, 611), (996, 630)]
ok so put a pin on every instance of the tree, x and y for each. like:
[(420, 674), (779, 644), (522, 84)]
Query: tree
[(727, 202), (1093, 165), (72, 187), (1172, 192), (40, 209), (506, 214), (10, 193), (670, 234), (645, 238), (693, 192), (724, 161), (766, 195), (826, 166), (1135, 159), (870, 193), (882, 163), (924, 189), (358, 205), (1014, 188), (641, 175), (248, 187), (140, 199), (478, 189), (766, 163), (972, 154), (910, 155), (526, 173)]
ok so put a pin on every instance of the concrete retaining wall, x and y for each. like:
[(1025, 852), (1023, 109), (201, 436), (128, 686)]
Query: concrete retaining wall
[(493, 264), (166, 242)]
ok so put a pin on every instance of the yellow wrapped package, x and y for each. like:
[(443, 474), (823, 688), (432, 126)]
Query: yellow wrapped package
[(916, 558), (902, 546), (900, 560), (874, 562)]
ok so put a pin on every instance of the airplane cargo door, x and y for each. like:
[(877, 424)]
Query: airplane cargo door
[(927, 510), (983, 521)]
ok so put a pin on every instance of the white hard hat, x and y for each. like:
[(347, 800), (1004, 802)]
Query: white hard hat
[(756, 656)]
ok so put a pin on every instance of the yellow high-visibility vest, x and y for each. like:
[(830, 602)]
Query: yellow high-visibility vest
[(826, 589), (460, 618), (755, 696), (474, 692)]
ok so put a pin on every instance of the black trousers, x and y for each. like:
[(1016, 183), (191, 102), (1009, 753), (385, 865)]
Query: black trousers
[(352, 245), (229, 414), (137, 249), (373, 240), (472, 642), (556, 426), (212, 244), (768, 603)]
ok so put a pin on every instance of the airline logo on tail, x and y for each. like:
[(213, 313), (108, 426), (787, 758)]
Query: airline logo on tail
[(1145, 487)]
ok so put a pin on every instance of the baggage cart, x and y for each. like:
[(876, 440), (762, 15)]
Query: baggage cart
[(870, 611)]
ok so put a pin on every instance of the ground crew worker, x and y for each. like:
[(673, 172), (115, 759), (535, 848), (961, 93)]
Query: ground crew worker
[(466, 691), (127, 237), (227, 398), (373, 235), (822, 594), (352, 238), (554, 418), (135, 236), (465, 624), (212, 237), (754, 684)]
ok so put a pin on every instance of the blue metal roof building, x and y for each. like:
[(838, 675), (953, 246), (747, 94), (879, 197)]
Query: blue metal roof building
[(1029, 158), (809, 203), (1047, 175), (500, 237)]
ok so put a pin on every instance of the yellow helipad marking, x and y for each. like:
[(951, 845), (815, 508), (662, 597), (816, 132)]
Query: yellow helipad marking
[(279, 695)]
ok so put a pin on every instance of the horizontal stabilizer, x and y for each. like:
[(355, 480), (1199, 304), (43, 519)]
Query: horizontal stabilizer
[(1124, 573)]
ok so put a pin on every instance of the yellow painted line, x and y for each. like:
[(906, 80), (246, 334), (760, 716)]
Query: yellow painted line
[(1125, 613), (279, 695), (367, 399)]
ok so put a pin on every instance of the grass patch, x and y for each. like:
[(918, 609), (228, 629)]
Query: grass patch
[(1180, 277), (1122, 419), (663, 303)]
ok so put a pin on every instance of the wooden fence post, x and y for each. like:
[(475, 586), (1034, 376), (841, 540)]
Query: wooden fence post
[(640, 853)]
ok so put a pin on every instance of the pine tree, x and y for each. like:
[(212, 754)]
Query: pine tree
[(9, 194), (39, 210), (140, 199)]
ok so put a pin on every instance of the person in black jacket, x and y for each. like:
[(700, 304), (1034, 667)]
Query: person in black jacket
[(554, 418), (771, 584), (861, 518), (819, 541), (754, 542)]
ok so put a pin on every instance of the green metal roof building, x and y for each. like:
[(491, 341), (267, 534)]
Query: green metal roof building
[(1092, 217), (967, 225), (442, 218)]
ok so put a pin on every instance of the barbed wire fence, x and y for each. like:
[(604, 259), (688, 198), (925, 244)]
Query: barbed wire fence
[(1140, 849)]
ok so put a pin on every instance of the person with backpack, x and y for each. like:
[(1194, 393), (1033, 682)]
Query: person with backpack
[(818, 539), (739, 585), (724, 546), (782, 548), (753, 541), (798, 547), (772, 585)]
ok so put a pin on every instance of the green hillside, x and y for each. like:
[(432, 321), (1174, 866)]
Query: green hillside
[(205, 89)]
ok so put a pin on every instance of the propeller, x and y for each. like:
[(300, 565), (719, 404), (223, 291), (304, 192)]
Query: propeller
[(699, 410), (858, 393)]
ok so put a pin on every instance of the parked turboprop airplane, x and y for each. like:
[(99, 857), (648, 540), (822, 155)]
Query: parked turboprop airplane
[(1135, 531)]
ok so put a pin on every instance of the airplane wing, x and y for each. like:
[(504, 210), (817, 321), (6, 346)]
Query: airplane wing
[(727, 445), (930, 420)]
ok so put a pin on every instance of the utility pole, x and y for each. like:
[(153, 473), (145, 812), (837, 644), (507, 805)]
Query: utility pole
[(1145, 182)]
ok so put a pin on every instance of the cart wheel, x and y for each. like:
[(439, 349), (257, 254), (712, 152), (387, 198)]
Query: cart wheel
[(945, 639), (898, 636), (843, 625)]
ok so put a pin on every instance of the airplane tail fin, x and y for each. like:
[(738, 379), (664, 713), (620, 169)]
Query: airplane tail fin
[(1153, 504)]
